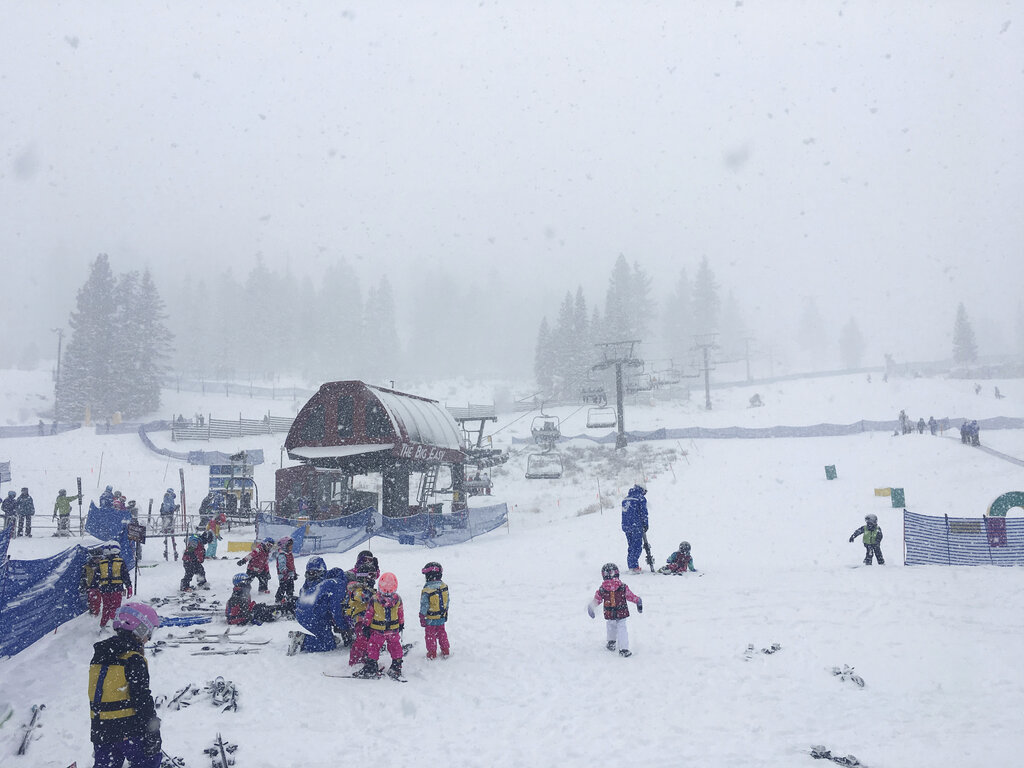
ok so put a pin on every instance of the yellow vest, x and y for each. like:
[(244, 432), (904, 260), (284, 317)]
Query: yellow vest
[(110, 572), (385, 619), (109, 696)]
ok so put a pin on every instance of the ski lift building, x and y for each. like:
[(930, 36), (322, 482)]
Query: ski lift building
[(351, 428)]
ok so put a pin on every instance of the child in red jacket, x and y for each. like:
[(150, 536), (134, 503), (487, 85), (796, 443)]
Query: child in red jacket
[(615, 596), (259, 563)]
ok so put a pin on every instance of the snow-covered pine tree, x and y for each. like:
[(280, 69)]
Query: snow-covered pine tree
[(89, 363), (583, 352), (127, 341), (544, 357), (618, 304), (851, 345), (677, 319), (154, 347), (965, 347), (811, 333), (706, 302)]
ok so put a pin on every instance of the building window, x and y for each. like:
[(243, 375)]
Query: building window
[(346, 409)]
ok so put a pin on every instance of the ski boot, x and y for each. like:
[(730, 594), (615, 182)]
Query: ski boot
[(611, 645), (625, 653), (395, 671), (295, 640), (369, 670)]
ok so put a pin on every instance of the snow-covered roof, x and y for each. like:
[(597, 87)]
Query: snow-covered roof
[(421, 421)]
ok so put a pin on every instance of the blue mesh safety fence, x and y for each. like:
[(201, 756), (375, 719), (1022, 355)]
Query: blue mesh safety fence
[(962, 540)]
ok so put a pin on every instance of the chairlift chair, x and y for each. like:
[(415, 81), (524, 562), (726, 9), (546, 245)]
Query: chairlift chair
[(544, 466), (546, 431), (598, 418)]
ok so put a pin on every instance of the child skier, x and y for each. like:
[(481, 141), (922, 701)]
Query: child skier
[(241, 608), (89, 585), (679, 561), (259, 563), (615, 595), (434, 610), (286, 573), (872, 539), (213, 528), (62, 512), (112, 580), (383, 623), (192, 559), (360, 592), (125, 725)]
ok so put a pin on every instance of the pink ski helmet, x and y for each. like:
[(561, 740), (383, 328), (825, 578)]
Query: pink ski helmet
[(138, 618), (388, 582)]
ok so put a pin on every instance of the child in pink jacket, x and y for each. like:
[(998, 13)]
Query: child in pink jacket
[(615, 596)]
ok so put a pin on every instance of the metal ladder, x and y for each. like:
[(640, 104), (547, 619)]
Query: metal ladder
[(428, 484)]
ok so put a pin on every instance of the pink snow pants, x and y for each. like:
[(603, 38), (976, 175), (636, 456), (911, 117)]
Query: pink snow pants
[(111, 602), (436, 635), (377, 639), (357, 653)]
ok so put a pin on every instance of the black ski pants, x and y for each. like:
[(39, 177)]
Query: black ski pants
[(873, 549)]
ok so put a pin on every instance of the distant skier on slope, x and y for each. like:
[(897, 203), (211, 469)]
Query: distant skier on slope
[(872, 539)]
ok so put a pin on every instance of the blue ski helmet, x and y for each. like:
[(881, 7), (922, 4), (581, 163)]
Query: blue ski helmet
[(316, 564), (239, 578)]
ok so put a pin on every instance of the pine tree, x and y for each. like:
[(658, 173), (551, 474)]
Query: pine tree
[(618, 323), (154, 346), (706, 302), (965, 348), (583, 347), (89, 363), (851, 345), (811, 332), (733, 330), (678, 319), (543, 358), (127, 342)]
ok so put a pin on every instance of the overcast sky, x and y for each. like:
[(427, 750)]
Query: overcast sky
[(869, 153)]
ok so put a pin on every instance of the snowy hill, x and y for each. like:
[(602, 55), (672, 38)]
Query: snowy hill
[(530, 682)]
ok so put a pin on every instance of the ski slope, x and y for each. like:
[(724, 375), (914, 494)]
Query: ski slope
[(529, 681)]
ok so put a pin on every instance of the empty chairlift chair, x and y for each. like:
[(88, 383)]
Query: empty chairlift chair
[(544, 466), (598, 418)]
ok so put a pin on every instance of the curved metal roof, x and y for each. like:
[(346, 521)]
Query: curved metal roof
[(420, 420)]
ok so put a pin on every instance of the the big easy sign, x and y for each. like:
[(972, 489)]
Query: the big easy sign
[(418, 452)]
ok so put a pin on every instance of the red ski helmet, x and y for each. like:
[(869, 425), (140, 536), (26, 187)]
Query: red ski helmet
[(388, 583)]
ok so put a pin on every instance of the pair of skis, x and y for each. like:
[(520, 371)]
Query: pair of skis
[(221, 753), (381, 673), (771, 649), (29, 729)]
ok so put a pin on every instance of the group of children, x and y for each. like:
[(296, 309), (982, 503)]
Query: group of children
[(359, 608)]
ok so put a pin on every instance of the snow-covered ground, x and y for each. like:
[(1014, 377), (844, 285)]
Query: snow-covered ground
[(529, 681)]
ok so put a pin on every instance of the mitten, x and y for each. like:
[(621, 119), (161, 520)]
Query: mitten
[(366, 631), (590, 610), (851, 539), (401, 627), (423, 620), (129, 591), (640, 606), (240, 562), (152, 744)]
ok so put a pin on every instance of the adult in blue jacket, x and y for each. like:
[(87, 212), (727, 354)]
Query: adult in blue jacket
[(634, 523), (319, 608)]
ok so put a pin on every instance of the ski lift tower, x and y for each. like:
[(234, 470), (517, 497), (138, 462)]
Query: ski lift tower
[(705, 342), (618, 354)]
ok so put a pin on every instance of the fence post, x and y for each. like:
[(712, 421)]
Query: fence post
[(209, 426)]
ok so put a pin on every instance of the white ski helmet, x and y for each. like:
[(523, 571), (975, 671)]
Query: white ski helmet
[(871, 518)]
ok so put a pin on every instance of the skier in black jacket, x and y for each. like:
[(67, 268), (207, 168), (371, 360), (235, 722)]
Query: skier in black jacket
[(125, 725)]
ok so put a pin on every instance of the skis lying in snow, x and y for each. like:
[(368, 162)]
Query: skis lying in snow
[(29, 729), (210, 651), (220, 753), (354, 676), (170, 761), (847, 673), (818, 752)]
